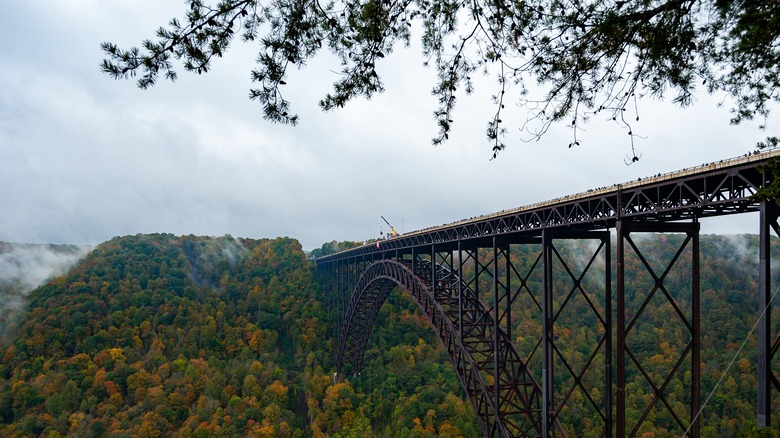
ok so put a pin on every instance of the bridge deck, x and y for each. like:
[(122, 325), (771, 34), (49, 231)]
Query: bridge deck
[(712, 189)]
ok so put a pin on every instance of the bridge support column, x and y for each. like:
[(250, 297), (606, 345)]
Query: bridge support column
[(460, 290), (576, 285), (620, 332), (766, 350), (341, 294), (645, 372), (499, 296), (547, 335)]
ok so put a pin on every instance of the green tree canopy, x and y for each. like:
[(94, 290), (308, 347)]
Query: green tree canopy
[(588, 56)]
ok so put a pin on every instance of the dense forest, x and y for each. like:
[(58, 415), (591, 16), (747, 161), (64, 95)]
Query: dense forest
[(159, 335)]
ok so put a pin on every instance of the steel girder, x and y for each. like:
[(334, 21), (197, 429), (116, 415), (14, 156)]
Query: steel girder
[(505, 397)]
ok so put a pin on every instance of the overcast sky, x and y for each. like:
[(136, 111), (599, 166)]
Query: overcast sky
[(84, 157)]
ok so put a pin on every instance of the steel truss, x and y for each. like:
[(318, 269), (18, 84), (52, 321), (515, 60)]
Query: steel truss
[(713, 190), (682, 307), (465, 278), (503, 393), (571, 361), (468, 294)]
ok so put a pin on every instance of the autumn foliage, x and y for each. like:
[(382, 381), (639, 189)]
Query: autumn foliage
[(158, 335)]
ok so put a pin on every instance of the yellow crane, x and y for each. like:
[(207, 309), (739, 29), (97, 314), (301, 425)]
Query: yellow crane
[(393, 233)]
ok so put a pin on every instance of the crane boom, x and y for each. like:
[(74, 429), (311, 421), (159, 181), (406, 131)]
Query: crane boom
[(393, 233)]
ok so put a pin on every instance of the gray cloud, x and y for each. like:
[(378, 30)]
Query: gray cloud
[(84, 158)]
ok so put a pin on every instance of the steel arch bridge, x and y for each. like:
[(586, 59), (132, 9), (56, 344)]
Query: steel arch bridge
[(467, 280)]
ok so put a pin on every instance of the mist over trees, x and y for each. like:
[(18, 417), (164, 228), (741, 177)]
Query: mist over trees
[(23, 267), (561, 60)]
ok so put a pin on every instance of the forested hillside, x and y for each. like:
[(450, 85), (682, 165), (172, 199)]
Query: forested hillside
[(158, 335)]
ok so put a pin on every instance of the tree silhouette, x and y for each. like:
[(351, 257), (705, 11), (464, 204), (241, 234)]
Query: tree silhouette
[(589, 56)]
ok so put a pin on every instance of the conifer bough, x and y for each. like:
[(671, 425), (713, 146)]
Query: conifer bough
[(588, 56)]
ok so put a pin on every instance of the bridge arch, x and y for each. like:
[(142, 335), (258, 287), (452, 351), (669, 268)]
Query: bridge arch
[(504, 395)]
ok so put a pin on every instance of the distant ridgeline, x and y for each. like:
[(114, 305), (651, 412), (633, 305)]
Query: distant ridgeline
[(158, 335)]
